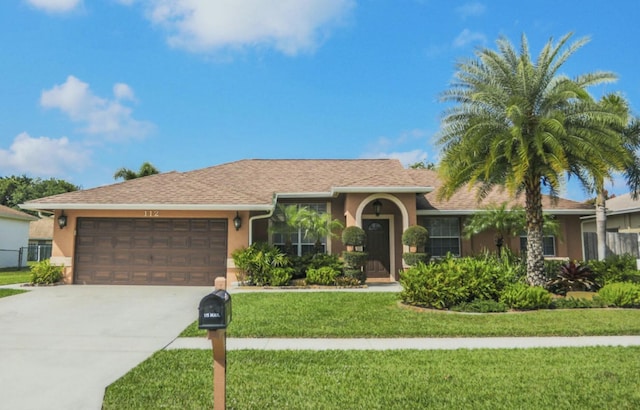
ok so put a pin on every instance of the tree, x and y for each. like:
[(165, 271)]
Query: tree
[(423, 165), (505, 222), (630, 133), (16, 190), (146, 169), (520, 124)]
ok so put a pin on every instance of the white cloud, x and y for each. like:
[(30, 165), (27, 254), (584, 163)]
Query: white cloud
[(471, 9), (123, 92), (401, 148), (467, 37), (99, 116), (42, 156), (55, 6), (289, 26)]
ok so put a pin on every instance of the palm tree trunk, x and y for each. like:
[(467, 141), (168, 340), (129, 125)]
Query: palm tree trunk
[(535, 254), (601, 225)]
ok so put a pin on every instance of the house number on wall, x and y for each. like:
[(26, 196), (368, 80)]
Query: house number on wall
[(151, 213)]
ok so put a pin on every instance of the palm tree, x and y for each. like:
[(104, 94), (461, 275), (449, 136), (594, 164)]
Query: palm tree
[(631, 142), (522, 125), (317, 225), (504, 222), (146, 169)]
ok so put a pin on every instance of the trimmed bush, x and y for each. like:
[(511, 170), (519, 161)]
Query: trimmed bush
[(576, 303), (354, 236), (325, 275), (354, 259), (624, 294), (280, 276), (44, 273), (520, 296), (415, 236), (448, 282), (355, 275), (412, 258)]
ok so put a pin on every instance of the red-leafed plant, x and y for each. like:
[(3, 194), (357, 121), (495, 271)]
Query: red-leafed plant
[(573, 276)]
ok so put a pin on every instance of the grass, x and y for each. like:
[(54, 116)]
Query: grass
[(561, 378), (10, 292), (342, 314), (12, 276)]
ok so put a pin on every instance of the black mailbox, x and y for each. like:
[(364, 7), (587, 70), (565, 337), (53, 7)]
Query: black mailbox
[(215, 310)]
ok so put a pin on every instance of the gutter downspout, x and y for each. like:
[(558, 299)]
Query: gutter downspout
[(265, 216)]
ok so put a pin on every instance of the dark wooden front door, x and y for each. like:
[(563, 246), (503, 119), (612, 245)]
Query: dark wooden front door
[(378, 259)]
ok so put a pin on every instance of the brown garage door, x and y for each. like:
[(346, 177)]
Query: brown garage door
[(150, 251)]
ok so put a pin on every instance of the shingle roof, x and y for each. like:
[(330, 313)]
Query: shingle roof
[(252, 184), (465, 200), (622, 204), (10, 213), (42, 228), (247, 183)]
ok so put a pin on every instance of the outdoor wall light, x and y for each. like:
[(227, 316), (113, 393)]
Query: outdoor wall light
[(62, 220), (237, 221), (377, 207)]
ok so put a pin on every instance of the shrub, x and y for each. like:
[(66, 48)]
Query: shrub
[(615, 268), (280, 276), (325, 275), (520, 296), (354, 259), (44, 273), (348, 281), (354, 236), (572, 276), (411, 258), (481, 306), (576, 303), (320, 260), (415, 236), (259, 261), (623, 294), (448, 282), (354, 275)]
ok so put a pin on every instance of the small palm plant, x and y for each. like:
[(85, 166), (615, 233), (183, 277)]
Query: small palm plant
[(573, 276)]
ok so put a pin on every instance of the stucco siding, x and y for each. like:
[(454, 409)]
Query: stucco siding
[(14, 234)]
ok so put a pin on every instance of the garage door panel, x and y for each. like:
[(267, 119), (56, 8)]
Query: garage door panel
[(150, 251)]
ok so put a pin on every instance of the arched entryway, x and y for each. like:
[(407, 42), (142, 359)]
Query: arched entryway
[(384, 251)]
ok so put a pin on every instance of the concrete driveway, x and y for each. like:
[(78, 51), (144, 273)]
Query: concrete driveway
[(61, 346)]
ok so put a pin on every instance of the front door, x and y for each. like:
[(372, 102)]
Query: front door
[(378, 258)]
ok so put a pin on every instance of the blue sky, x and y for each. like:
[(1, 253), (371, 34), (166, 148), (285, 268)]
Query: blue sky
[(88, 87)]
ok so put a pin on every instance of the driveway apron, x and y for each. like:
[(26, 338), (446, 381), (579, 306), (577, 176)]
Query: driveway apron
[(61, 346)]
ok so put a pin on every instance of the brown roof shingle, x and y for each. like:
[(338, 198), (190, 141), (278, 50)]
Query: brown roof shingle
[(10, 213), (246, 183), (466, 199)]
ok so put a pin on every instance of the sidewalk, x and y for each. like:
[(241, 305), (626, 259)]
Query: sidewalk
[(410, 343)]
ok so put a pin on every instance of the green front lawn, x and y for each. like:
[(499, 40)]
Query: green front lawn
[(10, 292), (346, 315), (561, 378), (10, 277)]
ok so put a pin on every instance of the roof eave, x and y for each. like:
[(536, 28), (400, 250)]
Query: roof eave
[(159, 207), (474, 211), (386, 189)]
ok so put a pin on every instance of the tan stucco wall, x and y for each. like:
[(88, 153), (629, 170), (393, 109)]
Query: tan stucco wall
[(63, 250), (568, 242)]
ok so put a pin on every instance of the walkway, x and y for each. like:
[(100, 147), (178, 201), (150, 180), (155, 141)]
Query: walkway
[(411, 343)]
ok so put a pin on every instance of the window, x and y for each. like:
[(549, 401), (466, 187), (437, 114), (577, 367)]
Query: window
[(548, 245), (444, 236), (300, 244)]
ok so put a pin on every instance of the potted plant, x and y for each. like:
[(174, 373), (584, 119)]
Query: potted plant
[(353, 236)]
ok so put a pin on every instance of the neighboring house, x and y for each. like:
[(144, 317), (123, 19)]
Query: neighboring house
[(40, 238), (178, 227), (623, 227), (14, 237)]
